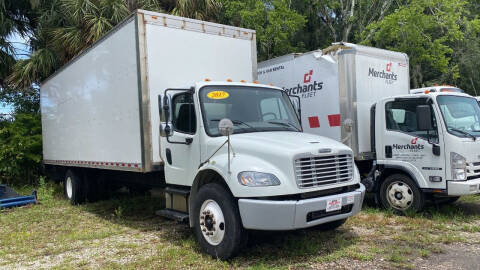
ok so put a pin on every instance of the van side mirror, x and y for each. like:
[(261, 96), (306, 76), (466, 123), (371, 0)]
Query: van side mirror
[(424, 118)]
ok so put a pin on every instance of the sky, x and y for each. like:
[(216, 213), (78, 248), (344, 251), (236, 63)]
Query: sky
[(22, 50)]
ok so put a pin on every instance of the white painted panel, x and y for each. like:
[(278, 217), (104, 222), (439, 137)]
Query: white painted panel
[(90, 109), (314, 78), (178, 58), (377, 77)]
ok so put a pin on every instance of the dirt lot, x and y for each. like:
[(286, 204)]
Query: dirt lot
[(124, 233)]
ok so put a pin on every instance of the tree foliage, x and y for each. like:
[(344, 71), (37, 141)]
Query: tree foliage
[(275, 23), (427, 30), (441, 38)]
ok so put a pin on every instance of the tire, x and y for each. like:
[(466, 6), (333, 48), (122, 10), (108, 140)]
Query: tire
[(332, 225), (74, 188), (399, 192), (214, 206)]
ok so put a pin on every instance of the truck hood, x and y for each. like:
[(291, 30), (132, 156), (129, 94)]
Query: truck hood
[(274, 153), (286, 143)]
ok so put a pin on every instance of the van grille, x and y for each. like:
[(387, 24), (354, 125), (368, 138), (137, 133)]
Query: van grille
[(319, 171)]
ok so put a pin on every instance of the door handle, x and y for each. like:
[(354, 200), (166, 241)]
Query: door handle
[(168, 153), (388, 151)]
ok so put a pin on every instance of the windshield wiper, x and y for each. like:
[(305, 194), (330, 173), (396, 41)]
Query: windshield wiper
[(285, 124), (463, 132), (237, 122)]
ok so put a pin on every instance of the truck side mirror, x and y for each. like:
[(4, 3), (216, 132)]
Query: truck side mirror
[(225, 127), (166, 108), (424, 118), (297, 106)]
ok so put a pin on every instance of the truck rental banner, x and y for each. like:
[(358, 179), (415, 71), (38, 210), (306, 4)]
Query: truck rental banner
[(314, 78)]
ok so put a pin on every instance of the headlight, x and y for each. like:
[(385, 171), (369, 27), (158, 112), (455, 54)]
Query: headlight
[(459, 166), (257, 179)]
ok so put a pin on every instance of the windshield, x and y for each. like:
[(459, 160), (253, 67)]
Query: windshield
[(461, 115), (251, 109)]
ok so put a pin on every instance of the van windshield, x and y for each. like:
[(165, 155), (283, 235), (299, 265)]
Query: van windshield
[(251, 109), (461, 115)]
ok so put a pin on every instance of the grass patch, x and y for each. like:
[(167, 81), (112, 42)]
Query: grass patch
[(124, 232)]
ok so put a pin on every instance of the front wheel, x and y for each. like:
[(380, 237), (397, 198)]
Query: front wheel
[(217, 222), (400, 193)]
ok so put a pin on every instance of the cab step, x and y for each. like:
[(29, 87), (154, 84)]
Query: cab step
[(173, 214)]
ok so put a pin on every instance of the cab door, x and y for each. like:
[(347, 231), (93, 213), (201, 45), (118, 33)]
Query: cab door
[(400, 144), (180, 150)]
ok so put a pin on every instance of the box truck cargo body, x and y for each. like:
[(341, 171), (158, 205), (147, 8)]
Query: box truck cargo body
[(164, 100), (337, 88), (406, 146)]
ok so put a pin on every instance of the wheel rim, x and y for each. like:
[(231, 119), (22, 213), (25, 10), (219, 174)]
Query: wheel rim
[(212, 222), (399, 195), (68, 187)]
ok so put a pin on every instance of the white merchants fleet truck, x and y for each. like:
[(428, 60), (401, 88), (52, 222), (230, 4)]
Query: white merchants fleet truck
[(137, 108), (408, 148)]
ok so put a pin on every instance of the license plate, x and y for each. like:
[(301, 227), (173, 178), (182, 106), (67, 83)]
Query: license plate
[(334, 205)]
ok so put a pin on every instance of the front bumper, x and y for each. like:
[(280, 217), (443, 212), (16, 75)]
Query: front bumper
[(458, 188), (291, 215)]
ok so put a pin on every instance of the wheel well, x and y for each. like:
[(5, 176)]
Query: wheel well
[(386, 172), (204, 177)]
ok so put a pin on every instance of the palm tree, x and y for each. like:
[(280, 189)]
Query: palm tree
[(206, 10), (14, 19), (66, 27)]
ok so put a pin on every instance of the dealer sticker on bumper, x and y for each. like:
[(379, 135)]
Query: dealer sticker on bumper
[(334, 205)]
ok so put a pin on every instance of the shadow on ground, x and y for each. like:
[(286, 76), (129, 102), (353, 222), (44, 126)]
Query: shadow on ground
[(271, 248)]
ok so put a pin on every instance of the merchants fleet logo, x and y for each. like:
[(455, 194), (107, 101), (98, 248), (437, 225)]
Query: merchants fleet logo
[(387, 74), (413, 146), (308, 88)]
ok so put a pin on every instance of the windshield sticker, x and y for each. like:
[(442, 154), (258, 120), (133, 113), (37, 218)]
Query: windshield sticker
[(218, 95)]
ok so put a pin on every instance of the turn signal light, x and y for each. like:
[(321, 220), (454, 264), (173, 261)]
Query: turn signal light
[(256, 82), (207, 79), (229, 80), (243, 81)]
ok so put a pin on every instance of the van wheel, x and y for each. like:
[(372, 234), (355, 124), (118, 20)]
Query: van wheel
[(73, 188), (400, 193), (217, 222)]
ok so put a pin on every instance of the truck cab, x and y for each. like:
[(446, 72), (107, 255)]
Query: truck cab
[(426, 145), (259, 171)]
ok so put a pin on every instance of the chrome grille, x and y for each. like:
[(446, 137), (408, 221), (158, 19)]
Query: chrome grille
[(318, 171), (473, 170)]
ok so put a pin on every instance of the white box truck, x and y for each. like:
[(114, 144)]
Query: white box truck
[(408, 148), (136, 107)]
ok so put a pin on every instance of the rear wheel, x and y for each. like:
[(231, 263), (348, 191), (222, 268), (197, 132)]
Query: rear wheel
[(400, 193), (217, 222), (73, 188)]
